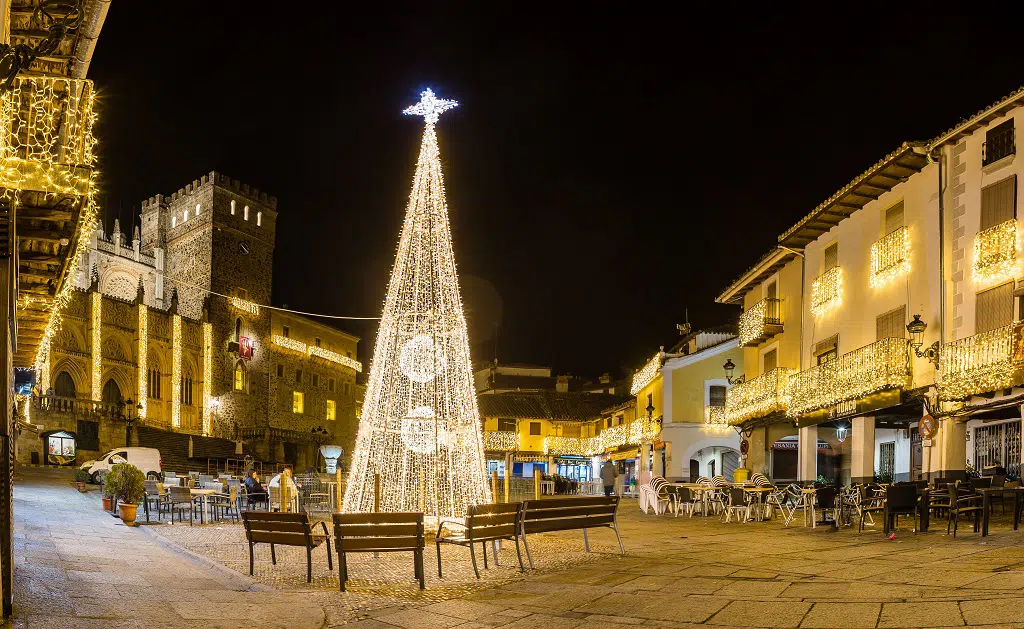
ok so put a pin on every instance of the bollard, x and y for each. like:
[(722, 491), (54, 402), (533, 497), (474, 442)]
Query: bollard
[(536, 484), (508, 481), (337, 489), (494, 486)]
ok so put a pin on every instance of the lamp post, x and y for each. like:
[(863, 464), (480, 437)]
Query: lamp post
[(128, 413), (730, 368), (319, 434), (916, 328)]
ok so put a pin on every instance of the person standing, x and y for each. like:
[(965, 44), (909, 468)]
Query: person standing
[(608, 475)]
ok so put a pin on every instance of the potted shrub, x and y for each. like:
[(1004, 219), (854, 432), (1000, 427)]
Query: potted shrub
[(81, 478), (107, 490), (130, 487)]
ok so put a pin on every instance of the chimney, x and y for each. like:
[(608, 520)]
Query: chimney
[(562, 384), (605, 378)]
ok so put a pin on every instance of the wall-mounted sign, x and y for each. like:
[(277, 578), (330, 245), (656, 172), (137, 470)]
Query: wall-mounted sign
[(245, 348), (927, 427)]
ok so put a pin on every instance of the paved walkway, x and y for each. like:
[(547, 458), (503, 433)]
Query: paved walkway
[(82, 569)]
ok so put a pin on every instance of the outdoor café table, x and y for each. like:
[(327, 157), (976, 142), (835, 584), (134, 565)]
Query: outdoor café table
[(203, 494), (758, 494), (986, 499)]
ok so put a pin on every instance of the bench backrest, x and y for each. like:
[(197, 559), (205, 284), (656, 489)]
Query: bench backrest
[(378, 531), (494, 520), (287, 529), (564, 514)]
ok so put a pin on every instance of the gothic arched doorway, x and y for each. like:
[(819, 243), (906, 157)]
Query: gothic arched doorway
[(111, 393), (64, 385)]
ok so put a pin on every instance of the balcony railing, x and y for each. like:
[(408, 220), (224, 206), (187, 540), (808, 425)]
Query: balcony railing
[(761, 396), (634, 433), (977, 364), (995, 253), (572, 446), (761, 321), (998, 144), (881, 366), (827, 291), (501, 440), (79, 407), (890, 257)]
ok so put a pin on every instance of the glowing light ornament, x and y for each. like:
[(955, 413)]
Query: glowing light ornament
[(420, 427)]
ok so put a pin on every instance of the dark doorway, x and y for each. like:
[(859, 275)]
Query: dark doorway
[(111, 393), (64, 385), (694, 470), (916, 459), (291, 453)]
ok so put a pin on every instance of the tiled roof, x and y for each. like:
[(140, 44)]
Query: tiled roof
[(572, 407)]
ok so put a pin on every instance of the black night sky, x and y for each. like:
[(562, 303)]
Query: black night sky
[(606, 171)]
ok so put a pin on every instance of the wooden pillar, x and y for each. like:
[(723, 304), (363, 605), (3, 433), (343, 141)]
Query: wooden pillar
[(7, 339)]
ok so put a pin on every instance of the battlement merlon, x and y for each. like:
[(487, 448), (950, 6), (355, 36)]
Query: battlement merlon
[(227, 183)]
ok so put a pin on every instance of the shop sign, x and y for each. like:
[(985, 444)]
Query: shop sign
[(245, 348), (851, 408)]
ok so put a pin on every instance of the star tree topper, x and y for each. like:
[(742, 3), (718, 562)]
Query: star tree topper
[(430, 107)]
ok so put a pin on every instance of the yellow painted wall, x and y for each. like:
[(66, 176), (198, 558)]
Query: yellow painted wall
[(787, 342), (688, 383), (655, 388)]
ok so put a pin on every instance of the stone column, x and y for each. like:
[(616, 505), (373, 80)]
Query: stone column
[(862, 450), (807, 455), (8, 295), (757, 460), (948, 456)]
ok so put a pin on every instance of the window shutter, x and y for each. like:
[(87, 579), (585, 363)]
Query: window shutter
[(831, 344), (891, 324), (893, 218), (771, 291), (998, 202), (716, 395), (832, 256), (771, 361), (993, 308)]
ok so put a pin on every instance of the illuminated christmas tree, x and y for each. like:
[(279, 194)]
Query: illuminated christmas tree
[(420, 427)]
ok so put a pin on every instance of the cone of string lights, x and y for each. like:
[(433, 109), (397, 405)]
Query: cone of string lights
[(419, 428)]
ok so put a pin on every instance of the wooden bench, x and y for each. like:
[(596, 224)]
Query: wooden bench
[(286, 529), (566, 514), (483, 523), (379, 533)]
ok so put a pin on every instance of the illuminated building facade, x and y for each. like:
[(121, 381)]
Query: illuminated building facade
[(176, 318)]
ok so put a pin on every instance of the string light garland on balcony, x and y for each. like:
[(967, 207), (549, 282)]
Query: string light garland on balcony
[(827, 292), (715, 419), (880, 366), (977, 364), (143, 330), (434, 464), (995, 253), (313, 350), (890, 257), (758, 397), (635, 432), (752, 322), (501, 440), (646, 375)]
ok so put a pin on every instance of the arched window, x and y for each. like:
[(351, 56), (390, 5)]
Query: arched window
[(111, 393), (186, 215), (199, 208), (186, 391), (64, 385), (174, 222), (238, 329), (245, 212), (232, 207), (239, 376), (154, 384), (259, 218)]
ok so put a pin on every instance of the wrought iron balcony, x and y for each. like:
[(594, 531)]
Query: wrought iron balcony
[(978, 364), (999, 143), (758, 397), (995, 253), (501, 440), (890, 257), (760, 322), (827, 291), (880, 366)]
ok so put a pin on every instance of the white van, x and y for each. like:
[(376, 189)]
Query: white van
[(146, 459)]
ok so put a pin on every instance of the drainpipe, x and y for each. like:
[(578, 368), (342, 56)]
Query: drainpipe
[(937, 158)]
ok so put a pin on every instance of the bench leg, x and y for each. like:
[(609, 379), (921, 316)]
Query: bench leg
[(472, 554), (529, 557), (273, 555), (483, 547), (250, 557), (438, 544), (615, 527), (309, 564), (342, 570), (586, 542), (494, 551), (419, 561), (327, 545), (519, 555)]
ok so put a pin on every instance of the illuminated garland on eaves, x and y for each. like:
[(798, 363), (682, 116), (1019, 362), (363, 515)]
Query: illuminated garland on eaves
[(646, 375), (143, 360)]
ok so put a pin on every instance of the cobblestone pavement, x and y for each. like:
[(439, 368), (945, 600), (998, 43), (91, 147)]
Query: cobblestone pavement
[(678, 572)]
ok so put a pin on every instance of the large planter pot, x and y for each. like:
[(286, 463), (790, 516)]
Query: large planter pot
[(127, 513), (81, 487), (107, 503), (740, 475)]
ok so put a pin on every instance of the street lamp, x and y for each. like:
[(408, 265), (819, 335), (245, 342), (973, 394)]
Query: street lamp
[(319, 434), (125, 413), (916, 328), (730, 368)]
